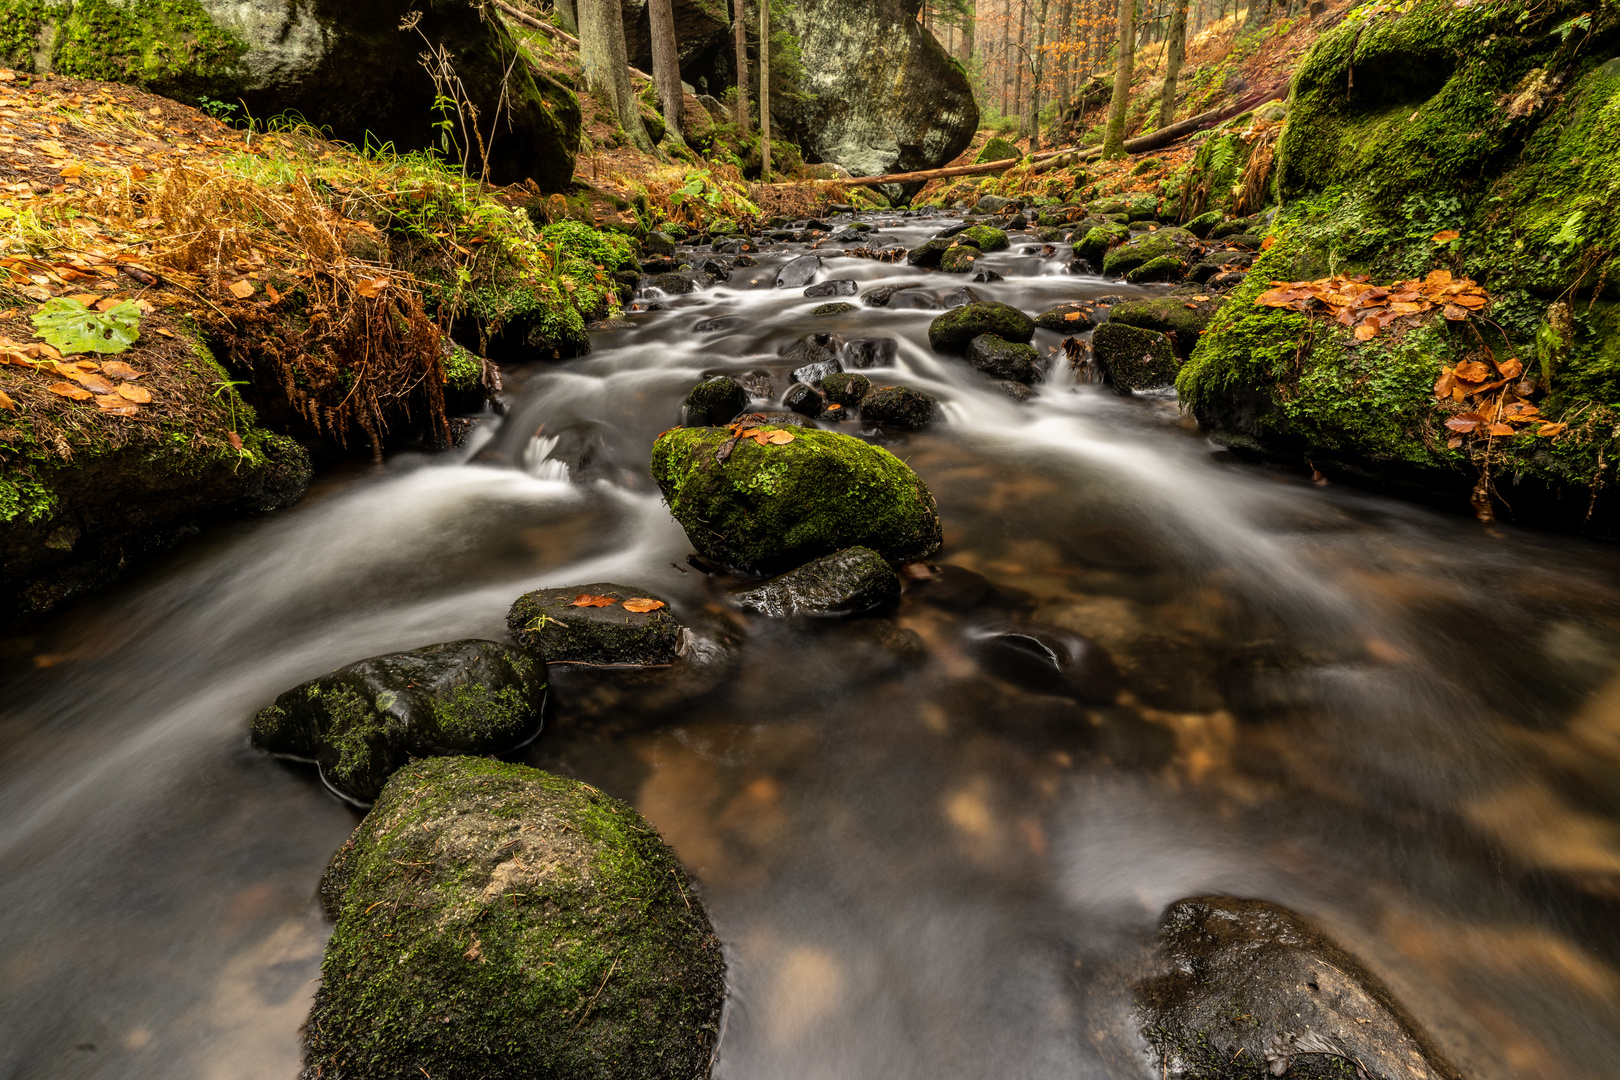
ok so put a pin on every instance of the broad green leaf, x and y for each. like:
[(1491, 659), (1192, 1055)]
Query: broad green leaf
[(73, 328)]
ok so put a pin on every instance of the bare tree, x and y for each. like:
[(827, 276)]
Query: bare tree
[(565, 15), (1176, 53), (1114, 141), (607, 71), (740, 24), (765, 90), (666, 67), (1037, 63)]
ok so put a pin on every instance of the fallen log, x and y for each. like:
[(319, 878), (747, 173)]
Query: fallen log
[(1153, 140), (535, 24)]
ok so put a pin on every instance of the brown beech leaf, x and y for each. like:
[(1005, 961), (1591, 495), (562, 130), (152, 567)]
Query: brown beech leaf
[(587, 600), (1438, 277), (140, 395), (1445, 236), (781, 438), (1472, 371), (1457, 423), (117, 369), (234, 439), (93, 383), (642, 604), (1510, 368), (6, 402), (117, 406), (68, 390), (1547, 431), (1265, 245), (1366, 331), (242, 290), (1444, 384), (371, 288), (1471, 301), (1454, 442), (1502, 429), (1453, 313)]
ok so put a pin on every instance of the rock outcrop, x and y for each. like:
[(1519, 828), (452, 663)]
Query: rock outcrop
[(346, 66), (886, 96)]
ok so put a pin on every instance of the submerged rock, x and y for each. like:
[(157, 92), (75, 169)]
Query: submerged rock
[(363, 721), (880, 296), (547, 623), (930, 252), (845, 388), (1247, 983), (798, 272), (772, 507), (1133, 358), (899, 407), (847, 582), (714, 402), (952, 331), (837, 307), (501, 922), (1004, 359), (863, 353), (833, 287)]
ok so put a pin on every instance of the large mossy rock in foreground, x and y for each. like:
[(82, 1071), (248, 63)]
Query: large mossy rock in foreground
[(498, 922), (346, 66), (1497, 121), (362, 722), (773, 507), (1246, 984), (552, 623), (881, 93)]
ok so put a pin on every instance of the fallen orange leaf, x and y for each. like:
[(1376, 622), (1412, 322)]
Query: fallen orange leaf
[(241, 289), (587, 600), (120, 370), (1366, 331), (1445, 236), (643, 604), (68, 390), (6, 402), (117, 406), (781, 438), (140, 395)]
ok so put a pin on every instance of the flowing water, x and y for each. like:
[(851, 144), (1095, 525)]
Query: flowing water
[(1404, 724)]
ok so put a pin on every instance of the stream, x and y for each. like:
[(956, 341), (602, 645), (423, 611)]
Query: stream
[(1403, 724)]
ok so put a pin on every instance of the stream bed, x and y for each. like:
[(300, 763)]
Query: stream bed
[(923, 865)]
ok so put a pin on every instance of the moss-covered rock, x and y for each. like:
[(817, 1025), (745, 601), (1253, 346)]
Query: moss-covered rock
[(1093, 246), (899, 407), (1163, 268), (552, 624), (952, 331), (714, 402), (998, 149), (1171, 243), (360, 723), (1180, 316), (1004, 359), (1072, 318), (846, 582), (1201, 224), (960, 259), (1133, 358), (930, 252), (837, 307), (845, 388), (983, 237), (502, 922), (772, 507)]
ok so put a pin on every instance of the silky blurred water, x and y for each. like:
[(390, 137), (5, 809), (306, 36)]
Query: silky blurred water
[(1404, 724)]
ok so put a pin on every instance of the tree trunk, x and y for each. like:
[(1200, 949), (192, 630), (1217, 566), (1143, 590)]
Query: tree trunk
[(1023, 58), (970, 23), (607, 72), (740, 23), (666, 67), (765, 91), (1037, 75), (565, 15), (1175, 54), (1258, 9), (1114, 142)]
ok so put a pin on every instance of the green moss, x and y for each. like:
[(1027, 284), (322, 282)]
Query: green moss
[(1139, 250), (998, 149), (774, 507), (170, 46), (462, 369), (20, 23), (983, 237), (475, 712), (499, 921)]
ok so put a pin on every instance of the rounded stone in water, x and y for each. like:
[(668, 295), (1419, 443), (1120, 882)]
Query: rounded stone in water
[(952, 331), (362, 722), (501, 922), (714, 402), (899, 407), (1134, 358), (546, 622), (846, 582)]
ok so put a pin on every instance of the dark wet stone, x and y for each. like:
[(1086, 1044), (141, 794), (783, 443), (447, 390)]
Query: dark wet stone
[(957, 588), (993, 204), (812, 350), (930, 252), (714, 402), (544, 623), (658, 243), (798, 272), (804, 399), (1015, 390), (1181, 316), (1069, 318), (1081, 267), (1133, 358), (712, 326), (673, 284), (987, 276), (1167, 243), (363, 721), (475, 890), (863, 353), (846, 582), (880, 296), (845, 388), (915, 300), (737, 246), (833, 287), (1047, 659), (814, 373), (960, 298), (899, 407), (1004, 359), (960, 259), (1227, 279), (952, 331), (1248, 985), (838, 307)]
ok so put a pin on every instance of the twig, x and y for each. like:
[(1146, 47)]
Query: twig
[(596, 995)]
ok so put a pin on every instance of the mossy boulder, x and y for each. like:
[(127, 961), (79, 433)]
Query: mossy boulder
[(998, 149), (899, 407), (1201, 225), (846, 582), (983, 237), (960, 259), (1004, 359), (500, 922), (1093, 246), (1171, 243), (362, 722), (1142, 208), (1180, 316), (714, 402), (1163, 268), (1133, 358), (952, 331), (1071, 318), (771, 507), (837, 307), (845, 388), (553, 624)]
